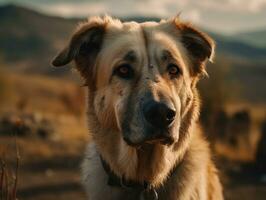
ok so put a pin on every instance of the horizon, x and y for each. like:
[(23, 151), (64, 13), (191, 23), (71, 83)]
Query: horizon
[(223, 20)]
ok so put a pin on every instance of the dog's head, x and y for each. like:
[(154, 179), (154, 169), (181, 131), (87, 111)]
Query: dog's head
[(140, 76)]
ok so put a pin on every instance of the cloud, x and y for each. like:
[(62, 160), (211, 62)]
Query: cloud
[(157, 8), (216, 14), (114, 7), (73, 9), (193, 15), (232, 5), (257, 5), (162, 8)]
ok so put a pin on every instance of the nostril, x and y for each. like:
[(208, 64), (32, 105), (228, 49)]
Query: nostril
[(170, 116)]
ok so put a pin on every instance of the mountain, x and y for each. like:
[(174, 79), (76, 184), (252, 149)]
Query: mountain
[(256, 38), (29, 40), (239, 49)]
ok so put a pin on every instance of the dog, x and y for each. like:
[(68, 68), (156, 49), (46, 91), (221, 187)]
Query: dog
[(143, 108)]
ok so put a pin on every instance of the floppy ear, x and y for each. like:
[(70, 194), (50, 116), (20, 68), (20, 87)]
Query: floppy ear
[(199, 45), (84, 46)]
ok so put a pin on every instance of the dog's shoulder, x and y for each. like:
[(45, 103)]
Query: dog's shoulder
[(202, 153), (214, 185), (196, 176)]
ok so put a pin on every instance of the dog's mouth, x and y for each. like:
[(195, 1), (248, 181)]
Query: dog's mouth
[(151, 138), (164, 141)]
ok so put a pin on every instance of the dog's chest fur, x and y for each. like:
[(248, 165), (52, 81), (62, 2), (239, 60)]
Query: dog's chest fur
[(189, 180)]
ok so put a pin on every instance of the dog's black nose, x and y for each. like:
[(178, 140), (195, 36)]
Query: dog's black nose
[(158, 114)]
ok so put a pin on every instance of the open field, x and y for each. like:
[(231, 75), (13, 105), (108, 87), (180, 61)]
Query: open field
[(49, 165)]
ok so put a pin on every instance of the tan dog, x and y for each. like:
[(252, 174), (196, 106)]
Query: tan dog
[(143, 108)]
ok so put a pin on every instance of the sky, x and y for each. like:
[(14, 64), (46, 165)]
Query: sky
[(222, 16)]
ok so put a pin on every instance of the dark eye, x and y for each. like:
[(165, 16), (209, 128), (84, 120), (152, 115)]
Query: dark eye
[(124, 71), (173, 70)]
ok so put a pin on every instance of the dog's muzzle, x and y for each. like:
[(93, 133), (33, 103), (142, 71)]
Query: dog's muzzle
[(156, 120)]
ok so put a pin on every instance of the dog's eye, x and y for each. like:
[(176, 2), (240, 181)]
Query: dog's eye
[(124, 71), (173, 70)]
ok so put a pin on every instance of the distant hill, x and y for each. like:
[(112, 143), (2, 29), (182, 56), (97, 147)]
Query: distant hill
[(239, 49), (29, 40), (256, 38)]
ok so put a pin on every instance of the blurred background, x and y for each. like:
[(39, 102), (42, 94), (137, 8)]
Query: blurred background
[(44, 107)]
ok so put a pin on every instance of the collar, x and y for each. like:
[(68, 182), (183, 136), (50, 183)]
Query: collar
[(147, 192)]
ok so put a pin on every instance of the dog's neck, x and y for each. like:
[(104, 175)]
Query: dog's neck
[(145, 189)]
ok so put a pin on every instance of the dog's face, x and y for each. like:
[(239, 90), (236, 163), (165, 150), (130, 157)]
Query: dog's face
[(140, 76)]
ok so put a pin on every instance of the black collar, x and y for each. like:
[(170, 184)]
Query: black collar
[(146, 191)]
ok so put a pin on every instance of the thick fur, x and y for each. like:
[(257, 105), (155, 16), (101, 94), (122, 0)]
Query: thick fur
[(182, 170)]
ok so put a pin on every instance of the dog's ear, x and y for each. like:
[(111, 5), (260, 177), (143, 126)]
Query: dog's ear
[(84, 45), (199, 45)]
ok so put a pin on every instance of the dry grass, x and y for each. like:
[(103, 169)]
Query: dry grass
[(39, 93), (9, 178), (62, 102)]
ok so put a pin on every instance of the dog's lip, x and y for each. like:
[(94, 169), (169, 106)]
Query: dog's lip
[(130, 143), (168, 141), (164, 141)]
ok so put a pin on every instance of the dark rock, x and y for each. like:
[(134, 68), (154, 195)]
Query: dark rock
[(261, 150), (25, 125)]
